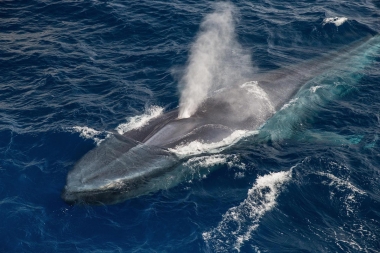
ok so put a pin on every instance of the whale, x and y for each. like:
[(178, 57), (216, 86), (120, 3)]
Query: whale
[(144, 160)]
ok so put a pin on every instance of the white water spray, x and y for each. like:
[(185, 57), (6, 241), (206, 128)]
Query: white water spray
[(216, 60), (239, 222)]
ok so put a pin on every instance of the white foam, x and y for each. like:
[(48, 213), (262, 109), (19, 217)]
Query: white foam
[(201, 166), (315, 88), (344, 186), (89, 133), (206, 161), (291, 102), (234, 161), (238, 222), (338, 21), (139, 121), (198, 147), (239, 174), (340, 183)]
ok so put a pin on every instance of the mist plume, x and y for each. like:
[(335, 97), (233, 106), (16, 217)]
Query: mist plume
[(216, 60)]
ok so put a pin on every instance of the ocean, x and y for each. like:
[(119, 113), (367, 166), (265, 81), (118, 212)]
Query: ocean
[(75, 72)]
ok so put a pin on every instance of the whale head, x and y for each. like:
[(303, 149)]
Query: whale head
[(116, 170)]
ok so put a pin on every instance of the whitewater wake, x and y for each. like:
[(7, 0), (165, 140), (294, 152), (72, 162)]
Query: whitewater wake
[(239, 222)]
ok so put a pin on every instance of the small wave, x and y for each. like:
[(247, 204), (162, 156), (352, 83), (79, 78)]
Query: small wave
[(343, 186), (234, 162), (291, 102), (338, 21), (89, 133), (207, 162), (315, 88), (201, 166), (139, 121), (239, 222), (341, 183), (198, 147)]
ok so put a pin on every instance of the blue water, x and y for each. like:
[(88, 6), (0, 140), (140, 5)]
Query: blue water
[(97, 64)]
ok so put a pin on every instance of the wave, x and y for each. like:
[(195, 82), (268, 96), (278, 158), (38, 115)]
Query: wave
[(199, 147), (238, 222), (139, 121), (343, 186), (89, 133), (135, 122), (337, 21), (200, 165)]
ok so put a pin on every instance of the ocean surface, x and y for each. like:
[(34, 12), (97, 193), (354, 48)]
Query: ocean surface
[(74, 72)]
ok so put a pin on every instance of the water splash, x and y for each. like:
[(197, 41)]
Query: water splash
[(89, 133), (199, 147), (139, 121), (338, 21), (239, 222)]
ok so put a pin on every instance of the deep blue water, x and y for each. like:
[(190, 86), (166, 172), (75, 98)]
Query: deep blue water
[(313, 187)]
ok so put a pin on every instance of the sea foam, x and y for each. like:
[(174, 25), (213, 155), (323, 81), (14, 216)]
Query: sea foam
[(139, 121), (200, 164), (338, 21), (199, 147), (89, 133), (340, 186), (239, 222)]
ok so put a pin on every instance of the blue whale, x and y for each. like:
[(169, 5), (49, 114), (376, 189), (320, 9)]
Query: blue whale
[(142, 160)]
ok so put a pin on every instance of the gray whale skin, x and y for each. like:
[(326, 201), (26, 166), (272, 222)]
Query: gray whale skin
[(138, 162)]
